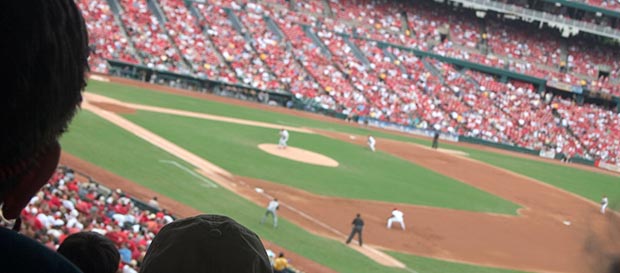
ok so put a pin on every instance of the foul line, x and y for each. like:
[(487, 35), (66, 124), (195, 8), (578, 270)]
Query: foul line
[(394, 262), (206, 181)]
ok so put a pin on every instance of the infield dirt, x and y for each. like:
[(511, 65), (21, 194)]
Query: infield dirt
[(535, 240)]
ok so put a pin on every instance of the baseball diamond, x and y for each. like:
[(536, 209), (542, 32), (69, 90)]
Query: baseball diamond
[(500, 203), (310, 136)]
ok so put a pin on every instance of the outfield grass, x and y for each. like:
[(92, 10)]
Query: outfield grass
[(362, 174), (100, 142), (585, 183)]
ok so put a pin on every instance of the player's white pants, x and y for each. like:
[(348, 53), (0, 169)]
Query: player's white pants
[(603, 207), (372, 147), (392, 220), (282, 143)]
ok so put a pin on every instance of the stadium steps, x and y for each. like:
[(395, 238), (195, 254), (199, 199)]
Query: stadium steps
[(200, 18), (434, 70), (570, 131), (404, 23), (317, 41), (327, 9), (242, 30), (236, 23), (116, 10), (393, 58), (564, 52), (469, 79), (156, 10), (274, 28), (161, 19), (356, 51)]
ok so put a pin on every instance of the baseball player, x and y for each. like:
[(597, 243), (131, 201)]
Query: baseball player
[(604, 203), (273, 206), (397, 216), (371, 143), (283, 139)]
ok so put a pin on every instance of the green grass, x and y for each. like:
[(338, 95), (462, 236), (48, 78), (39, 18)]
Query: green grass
[(118, 151), (428, 265), (585, 183), (362, 174), (100, 142)]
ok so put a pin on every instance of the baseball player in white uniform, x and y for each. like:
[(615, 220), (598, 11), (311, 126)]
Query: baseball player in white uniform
[(604, 203), (283, 139), (272, 208), (397, 216), (371, 143)]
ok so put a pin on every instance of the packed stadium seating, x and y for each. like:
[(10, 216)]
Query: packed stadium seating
[(330, 52), (67, 205), (72, 203)]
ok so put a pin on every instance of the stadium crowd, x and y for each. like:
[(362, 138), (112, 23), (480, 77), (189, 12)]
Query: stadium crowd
[(70, 204), (353, 57)]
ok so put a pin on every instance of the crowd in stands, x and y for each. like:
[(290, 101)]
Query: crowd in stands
[(331, 54), (106, 39), (183, 28), (150, 40), (71, 204), (66, 206)]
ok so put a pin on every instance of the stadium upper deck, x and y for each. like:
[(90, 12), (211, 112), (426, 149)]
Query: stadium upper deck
[(328, 51)]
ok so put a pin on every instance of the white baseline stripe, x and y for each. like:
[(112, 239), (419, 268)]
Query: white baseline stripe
[(194, 174)]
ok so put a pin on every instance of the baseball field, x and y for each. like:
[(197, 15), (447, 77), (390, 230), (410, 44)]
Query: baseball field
[(467, 208)]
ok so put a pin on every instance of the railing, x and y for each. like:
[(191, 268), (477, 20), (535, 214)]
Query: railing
[(551, 19)]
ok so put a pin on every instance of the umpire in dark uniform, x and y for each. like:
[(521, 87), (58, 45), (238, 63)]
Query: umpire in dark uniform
[(436, 139), (358, 225)]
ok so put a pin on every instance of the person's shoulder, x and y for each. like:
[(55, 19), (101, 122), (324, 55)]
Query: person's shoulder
[(22, 254)]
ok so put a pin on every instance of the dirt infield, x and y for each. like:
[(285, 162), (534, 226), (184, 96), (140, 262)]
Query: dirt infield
[(113, 181), (536, 240), (308, 115)]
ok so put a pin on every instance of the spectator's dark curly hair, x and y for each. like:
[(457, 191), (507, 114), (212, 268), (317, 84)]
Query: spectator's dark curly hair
[(44, 49)]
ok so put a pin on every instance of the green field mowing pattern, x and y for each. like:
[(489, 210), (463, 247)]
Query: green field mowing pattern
[(428, 265), (588, 184), (362, 174), (100, 142)]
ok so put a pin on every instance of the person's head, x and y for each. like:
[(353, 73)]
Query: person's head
[(358, 215), (206, 243), (281, 255), (91, 252), (275, 199), (45, 47)]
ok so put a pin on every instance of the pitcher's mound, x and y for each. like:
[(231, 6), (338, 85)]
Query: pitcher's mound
[(300, 155)]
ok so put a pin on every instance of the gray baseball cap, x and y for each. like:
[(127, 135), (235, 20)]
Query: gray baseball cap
[(206, 244)]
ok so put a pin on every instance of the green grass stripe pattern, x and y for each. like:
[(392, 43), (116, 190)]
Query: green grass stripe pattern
[(362, 174), (588, 184)]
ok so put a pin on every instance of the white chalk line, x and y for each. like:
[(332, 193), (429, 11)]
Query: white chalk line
[(206, 182), (334, 230)]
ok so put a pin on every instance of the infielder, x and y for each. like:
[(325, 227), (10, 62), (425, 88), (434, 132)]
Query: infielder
[(604, 203), (273, 206), (283, 139), (371, 143), (397, 216)]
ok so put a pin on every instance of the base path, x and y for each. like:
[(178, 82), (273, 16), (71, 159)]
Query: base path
[(179, 209), (213, 172), (537, 240)]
